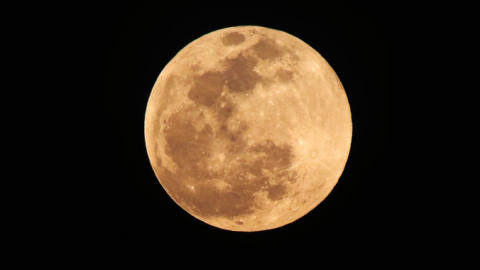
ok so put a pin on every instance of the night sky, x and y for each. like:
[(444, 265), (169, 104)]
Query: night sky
[(109, 200)]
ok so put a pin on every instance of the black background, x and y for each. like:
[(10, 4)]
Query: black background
[(109, 200)]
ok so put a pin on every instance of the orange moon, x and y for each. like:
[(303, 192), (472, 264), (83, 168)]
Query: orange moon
[(248, 128)]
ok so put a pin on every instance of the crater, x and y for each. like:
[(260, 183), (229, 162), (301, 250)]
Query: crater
[(206, 88), (240, 76), (233, 38), (268, 49)]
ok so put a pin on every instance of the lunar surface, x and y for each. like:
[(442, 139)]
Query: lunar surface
[(248, 128)]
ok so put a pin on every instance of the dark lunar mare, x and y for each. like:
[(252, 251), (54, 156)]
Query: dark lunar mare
[(190, 150)]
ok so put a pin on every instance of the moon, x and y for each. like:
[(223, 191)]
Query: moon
[(248, 128)]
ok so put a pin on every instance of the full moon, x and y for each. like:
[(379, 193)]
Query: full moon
[(248, 128)]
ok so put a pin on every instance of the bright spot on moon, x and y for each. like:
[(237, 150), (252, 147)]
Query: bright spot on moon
[(248, 128)]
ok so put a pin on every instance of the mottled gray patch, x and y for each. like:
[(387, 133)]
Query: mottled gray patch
[(214, 202), (191, 149), (157, 155), (169, 84), (284, 75), (206, 88), (224, 109), (240, 75), (268, 49), (292, 53), (276, 192), (163, 101), (276, 160), (292, 176), (233, 38), (275, 157), (234, 137), (187, 147)]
